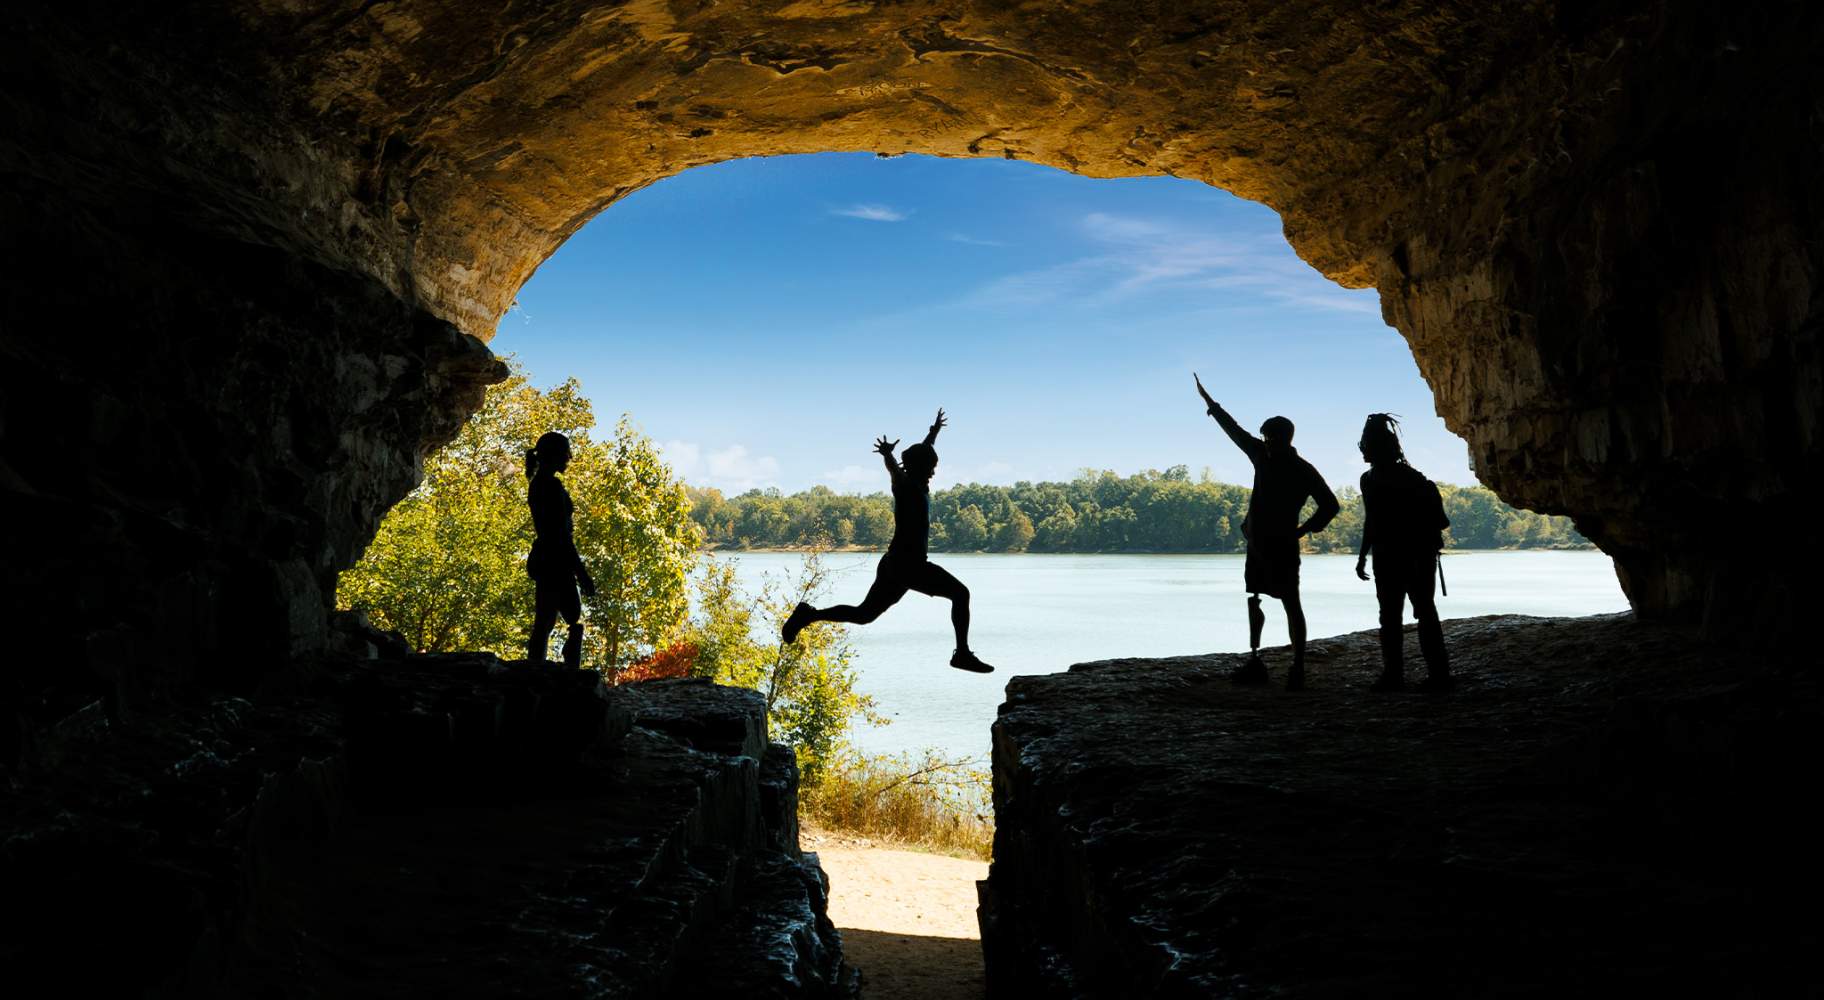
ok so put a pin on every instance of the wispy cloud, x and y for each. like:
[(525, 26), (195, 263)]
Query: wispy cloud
[(855, 476), (972, 240), (1139, 256), (872, 213), (733, 469)]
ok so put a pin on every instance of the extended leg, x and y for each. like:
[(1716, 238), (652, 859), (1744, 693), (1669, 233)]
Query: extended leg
[(936, 581), (888, 588)]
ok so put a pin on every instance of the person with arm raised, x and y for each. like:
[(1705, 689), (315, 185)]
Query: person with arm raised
[(1283, 482), (906, 565)]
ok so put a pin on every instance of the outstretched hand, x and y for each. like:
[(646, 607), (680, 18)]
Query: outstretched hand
[(1208, 402), (885, 447), (936, 425)]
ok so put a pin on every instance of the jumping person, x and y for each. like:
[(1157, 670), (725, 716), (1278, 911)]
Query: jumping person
[(554, 565), (905, 565), (1282, 483), (1403, 524)]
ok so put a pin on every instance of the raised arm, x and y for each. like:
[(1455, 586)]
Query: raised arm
[(1250, 445), (885, 448), (936, 425)]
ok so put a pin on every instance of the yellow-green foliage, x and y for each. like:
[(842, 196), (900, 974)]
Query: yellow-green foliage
[(809, 685), (447, 568), (926, 801)]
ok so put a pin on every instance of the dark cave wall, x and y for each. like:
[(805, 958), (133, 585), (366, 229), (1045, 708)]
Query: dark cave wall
[(248, 246), (1635, 343), (197, 435)]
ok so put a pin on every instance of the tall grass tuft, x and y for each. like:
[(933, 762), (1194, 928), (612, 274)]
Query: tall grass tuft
[(925, 801)]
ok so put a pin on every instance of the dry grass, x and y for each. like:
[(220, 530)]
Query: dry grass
[(926, 802)]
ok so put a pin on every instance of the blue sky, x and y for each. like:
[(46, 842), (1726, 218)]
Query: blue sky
[(764, 319)]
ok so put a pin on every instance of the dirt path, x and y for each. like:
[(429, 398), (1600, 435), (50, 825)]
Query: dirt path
[(907, 918)]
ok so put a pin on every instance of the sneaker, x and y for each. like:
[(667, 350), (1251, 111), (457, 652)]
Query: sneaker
[(963, 659), (1437, 683), (1295, 678), (800, 617), (1388, 682), (1252, 672)]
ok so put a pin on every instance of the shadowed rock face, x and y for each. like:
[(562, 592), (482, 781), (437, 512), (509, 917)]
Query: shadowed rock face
[(1595, 224), (1600, 807)]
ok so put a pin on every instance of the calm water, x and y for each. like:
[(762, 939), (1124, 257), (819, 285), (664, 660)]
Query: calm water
[(1037, 614)]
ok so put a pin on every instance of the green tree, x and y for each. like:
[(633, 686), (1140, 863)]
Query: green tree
[(811, 701), (1015, 532), (447, 566), (634, 532)]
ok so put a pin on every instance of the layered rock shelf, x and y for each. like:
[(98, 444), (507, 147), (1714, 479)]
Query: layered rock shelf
[(433, 826), (1602, 808)]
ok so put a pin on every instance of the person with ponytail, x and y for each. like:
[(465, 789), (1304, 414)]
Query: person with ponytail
[(555, 567), (1403, 524)]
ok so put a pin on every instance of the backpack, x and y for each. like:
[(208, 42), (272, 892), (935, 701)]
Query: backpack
[(1409, 512)]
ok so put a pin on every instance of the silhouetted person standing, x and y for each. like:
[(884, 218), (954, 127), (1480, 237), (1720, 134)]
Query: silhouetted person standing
[(905, 566), (1403, 524), (1282, 483), (554, 565)]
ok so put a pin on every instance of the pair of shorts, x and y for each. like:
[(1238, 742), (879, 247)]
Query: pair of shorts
[(1272, 567)]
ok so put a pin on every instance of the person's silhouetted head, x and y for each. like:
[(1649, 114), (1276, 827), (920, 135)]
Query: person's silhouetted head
[(1380, 441), (1277, 432), (919, 460), (550, 454)]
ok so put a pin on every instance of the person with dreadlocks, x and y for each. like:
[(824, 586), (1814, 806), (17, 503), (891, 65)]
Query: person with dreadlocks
[(1282, 483), (1403, 524), (906, 565)]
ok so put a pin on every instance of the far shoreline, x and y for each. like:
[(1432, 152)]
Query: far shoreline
[(852, 549)]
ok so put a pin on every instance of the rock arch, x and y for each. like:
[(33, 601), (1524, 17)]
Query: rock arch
[(289, 224)]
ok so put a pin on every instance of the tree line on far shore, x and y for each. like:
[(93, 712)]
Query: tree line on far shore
[(1099, 511)]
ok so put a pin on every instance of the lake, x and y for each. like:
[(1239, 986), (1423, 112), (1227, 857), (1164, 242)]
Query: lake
[(1036, 614)]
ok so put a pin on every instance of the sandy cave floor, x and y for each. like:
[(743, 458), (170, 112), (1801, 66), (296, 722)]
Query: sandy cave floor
[(907, 917)]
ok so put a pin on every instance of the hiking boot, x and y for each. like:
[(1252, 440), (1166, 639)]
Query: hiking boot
[(1388, 682), (964, 659), (1295, 678), (1252, 672), (800, 617), (1437, 683)]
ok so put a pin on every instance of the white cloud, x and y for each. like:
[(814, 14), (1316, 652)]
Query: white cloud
[(872, 213), (1144, 255), (973, 241), (854, 476), (732, 469)]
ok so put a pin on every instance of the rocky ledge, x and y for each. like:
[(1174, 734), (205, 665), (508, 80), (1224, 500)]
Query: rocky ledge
[(1601, 806), (419, 826)]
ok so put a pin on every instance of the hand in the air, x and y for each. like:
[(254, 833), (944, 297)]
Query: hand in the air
[(940, 423), (885, 447)]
